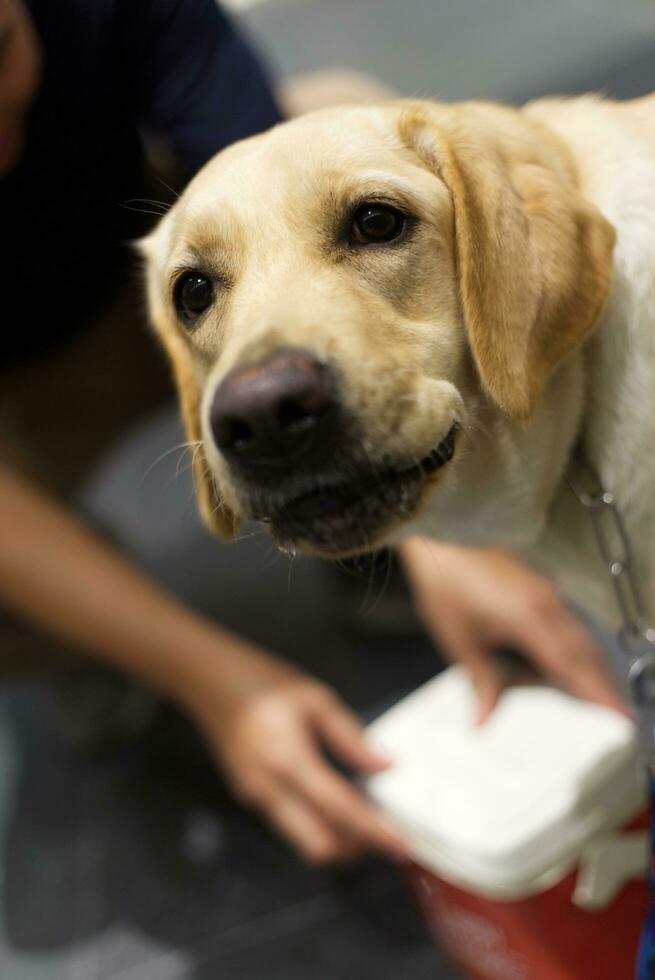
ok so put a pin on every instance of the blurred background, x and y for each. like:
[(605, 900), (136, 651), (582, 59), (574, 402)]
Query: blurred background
[(135, 863)]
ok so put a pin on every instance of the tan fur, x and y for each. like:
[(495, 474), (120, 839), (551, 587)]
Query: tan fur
[(535, 258), (215, 514), (485, 315)]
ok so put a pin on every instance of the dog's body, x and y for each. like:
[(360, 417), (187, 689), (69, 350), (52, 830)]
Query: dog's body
[(614, 148), (516, 305)]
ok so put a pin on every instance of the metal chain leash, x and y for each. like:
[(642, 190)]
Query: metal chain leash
[(636, 636), (637, 640)]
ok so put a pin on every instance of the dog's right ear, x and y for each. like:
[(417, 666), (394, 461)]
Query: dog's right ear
[(214, 511)]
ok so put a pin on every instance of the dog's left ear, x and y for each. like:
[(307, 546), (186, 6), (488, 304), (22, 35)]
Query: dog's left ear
[(214, 511), (534, 257), (217, 516)]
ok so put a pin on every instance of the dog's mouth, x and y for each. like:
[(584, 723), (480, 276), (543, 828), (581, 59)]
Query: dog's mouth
[(348, 516)]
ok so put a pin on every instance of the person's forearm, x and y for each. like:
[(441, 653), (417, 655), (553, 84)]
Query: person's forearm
[(421, 557), (61, 577)]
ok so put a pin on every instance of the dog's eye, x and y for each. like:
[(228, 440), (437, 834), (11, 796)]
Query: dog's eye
[(376, 223), (192, 295)]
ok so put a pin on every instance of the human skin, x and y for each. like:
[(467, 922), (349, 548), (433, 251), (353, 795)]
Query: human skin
[(474, 601), (265, 721), (20, 71)]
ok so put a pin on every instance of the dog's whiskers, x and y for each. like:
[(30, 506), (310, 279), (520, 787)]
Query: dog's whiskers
[(158, 208), (194, 457), (182, 447), (256, 533), (384, 585), (168, 188)]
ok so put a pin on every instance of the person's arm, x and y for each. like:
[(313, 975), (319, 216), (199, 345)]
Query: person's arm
[(477, 600), (190, 77), (266, 722)]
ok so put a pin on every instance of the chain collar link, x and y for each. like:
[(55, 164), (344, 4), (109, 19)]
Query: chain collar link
[(636, 636), (614, 544)]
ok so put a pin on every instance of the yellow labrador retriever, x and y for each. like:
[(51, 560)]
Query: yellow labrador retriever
[(404, 317)]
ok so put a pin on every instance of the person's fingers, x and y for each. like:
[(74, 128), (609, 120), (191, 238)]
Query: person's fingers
[(315, 839), (343, 733), (487, 676), (342, 805), (565, 652), (489, 683)]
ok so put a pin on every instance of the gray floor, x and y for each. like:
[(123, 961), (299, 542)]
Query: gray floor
[(137, 864)]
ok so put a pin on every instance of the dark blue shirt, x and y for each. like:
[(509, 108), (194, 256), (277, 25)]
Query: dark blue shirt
[(113, 70)]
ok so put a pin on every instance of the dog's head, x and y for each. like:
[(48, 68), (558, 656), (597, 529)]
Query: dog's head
[(351, 299)]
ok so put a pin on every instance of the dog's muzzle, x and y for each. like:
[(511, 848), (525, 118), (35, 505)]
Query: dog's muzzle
[(298, 464)]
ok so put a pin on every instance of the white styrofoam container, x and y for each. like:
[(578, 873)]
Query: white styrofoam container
[(507, 807)]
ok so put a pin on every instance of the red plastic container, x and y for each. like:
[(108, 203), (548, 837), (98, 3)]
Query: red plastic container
[(529, 833)]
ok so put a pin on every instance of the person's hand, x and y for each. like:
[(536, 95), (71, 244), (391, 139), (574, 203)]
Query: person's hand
[(268, 732), (475, 601), (266, 722)]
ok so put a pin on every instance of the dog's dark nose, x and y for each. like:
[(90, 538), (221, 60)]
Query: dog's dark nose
[(275, 411)]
